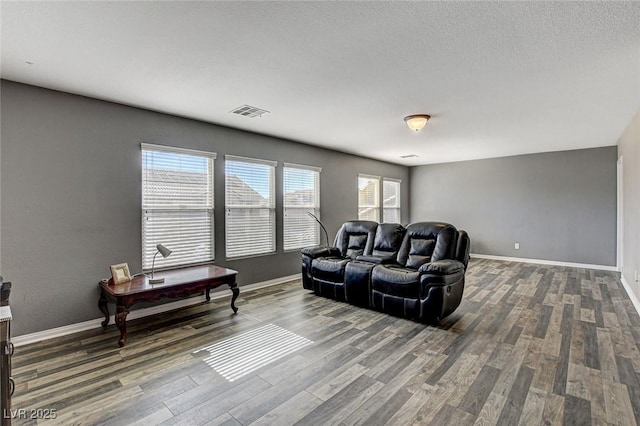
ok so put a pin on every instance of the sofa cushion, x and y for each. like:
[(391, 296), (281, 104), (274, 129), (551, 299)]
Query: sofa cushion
[(427, 242), (442, 267), (396, 281), (355, 237), (329, 268), (420, 252), (356, 245), (388, 240)]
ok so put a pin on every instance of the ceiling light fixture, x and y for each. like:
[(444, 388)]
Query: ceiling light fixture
[(417, 121)]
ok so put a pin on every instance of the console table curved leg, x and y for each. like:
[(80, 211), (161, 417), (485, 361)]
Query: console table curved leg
[(102, 304), (236, 292), (121, 318)]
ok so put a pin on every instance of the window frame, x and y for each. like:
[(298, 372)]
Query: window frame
[(398, 199), (315, 208), (229, 207), (379, 205), (376, 206), (209, 209)]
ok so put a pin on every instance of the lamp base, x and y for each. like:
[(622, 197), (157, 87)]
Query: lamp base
[(156, 280)]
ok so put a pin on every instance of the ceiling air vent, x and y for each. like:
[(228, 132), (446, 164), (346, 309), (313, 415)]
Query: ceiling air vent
[(409, 156), (249, 111)]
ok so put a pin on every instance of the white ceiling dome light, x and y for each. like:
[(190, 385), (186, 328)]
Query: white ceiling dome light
[(417, 121)]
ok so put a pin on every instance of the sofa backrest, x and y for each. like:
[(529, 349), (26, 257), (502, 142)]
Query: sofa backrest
[(388, 240), (426, 242), (355, 238)]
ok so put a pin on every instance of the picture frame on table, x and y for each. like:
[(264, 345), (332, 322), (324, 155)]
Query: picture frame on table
[(120, 273)]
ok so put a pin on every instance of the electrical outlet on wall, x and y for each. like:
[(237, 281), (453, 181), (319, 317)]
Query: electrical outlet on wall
[(635, 275), (516, 246)]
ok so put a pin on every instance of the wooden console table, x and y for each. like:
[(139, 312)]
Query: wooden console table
[(177, 283)]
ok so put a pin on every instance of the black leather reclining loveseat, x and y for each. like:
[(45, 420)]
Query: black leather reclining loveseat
[(415, 272)]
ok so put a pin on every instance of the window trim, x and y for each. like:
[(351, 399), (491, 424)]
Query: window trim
[(176, 150), (378, 195), (272, 208), (302, 166), (380, 208), (238, 158), (316, 208), (211, 156), (399, 182)]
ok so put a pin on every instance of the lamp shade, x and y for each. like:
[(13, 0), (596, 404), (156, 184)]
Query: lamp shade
[(417, 122), (163, 250)]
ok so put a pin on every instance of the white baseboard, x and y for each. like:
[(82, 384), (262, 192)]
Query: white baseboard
[(39, 336), (545, 262), (632, 295)]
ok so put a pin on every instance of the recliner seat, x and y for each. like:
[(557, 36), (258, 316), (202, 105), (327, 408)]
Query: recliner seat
[(325, 268), (427, 281)]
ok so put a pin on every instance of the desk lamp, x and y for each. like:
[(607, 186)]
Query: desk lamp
[(165, 252)]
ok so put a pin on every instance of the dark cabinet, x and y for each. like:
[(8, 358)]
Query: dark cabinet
[(6, 350)]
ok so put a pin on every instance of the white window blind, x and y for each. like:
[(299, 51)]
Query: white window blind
[(391, 201), (250, 206), (177, 205), (301, 193), (369, 198)]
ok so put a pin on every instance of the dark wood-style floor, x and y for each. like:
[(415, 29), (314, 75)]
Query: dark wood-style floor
[(530, 344)]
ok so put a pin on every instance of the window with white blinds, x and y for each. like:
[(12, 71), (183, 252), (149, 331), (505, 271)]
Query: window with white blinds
[(250, 207), (301, 196), (177, 205), (369, 198), (390, 200)]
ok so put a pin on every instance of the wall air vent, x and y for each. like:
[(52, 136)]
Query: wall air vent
[(249, 111), (409, 156)]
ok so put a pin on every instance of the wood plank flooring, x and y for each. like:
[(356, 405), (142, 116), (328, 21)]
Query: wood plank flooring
[(529, 345)]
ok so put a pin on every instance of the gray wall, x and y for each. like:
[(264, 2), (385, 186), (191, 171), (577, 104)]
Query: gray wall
[(71, 191), (629, 150), (559, 206)]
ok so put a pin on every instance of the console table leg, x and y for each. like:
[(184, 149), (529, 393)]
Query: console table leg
[(121, 318), (236, 292), (206, 293), (102, 304)]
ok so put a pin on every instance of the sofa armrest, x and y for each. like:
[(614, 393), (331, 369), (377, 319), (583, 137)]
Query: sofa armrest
[(447, 275), (377, 259), (442, 267), (315, 252)]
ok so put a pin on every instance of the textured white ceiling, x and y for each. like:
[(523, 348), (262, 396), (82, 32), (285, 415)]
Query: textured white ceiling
[(498, 78)]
